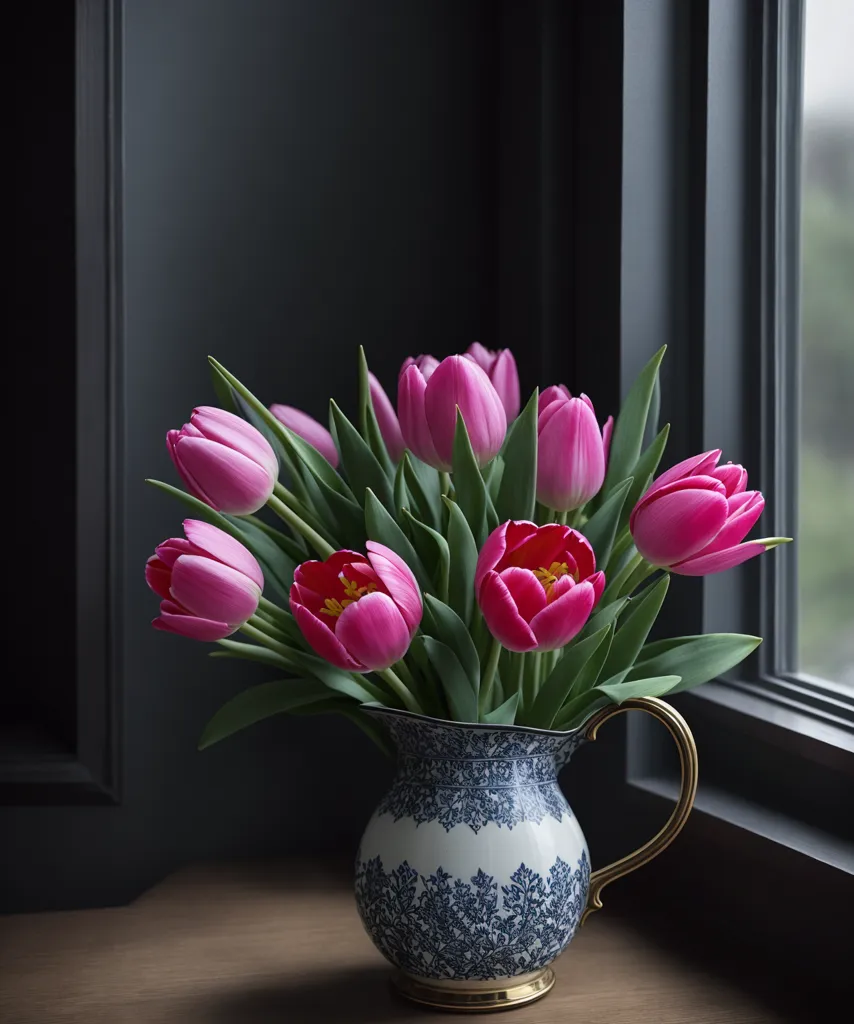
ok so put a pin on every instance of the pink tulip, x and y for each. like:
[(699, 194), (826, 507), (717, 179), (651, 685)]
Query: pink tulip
[(571, 450), (427, 404), (425, 363), (694, 517), (501, 369), (360, 613), (386, 419), (224, 461), (536, 585), (210, 584), (308, 429)]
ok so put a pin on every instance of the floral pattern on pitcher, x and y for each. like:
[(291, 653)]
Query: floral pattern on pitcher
[(438, 926)]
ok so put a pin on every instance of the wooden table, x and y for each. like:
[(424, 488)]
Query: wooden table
[(255, 943)]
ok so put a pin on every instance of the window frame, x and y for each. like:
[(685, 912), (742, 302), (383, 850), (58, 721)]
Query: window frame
[(724, 85)]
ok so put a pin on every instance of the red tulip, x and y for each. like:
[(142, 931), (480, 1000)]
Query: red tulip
[(210, 584), (308, 428), (694, 517), (536, 585), (360, 613), (427, 402), (501, 369), (224, 461)]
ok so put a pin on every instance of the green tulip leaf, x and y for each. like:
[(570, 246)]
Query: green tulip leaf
[(630, 427), (459, 693), (504, 714), (362, 466), (697, 659), (433, 550), (648, 686), (469, 486), (644, 471), (518, 491), (493, 474), (453, 632), (557, 687), (259, 702), (368, 418), (463, 549), (632, 633), (425, 493), (383, 528), (601, 528)]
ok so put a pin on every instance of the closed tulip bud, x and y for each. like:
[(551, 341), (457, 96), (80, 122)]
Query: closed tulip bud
[(386, 419), (536, 585), (224, 461), (308, 429), (358, 612), (427, 407), (694, 517), (501, 369), (570, 450), (209, 583)]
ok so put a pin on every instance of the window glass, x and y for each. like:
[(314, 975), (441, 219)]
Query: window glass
[(825, 536)]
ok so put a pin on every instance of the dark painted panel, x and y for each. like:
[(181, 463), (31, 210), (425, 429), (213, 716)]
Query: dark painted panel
[(298, 178)]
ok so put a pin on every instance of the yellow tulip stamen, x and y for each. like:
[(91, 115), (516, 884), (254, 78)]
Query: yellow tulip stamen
[(548, 577), (334, 607)]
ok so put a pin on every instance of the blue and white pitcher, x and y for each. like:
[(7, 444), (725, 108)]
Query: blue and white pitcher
[(473, 873)]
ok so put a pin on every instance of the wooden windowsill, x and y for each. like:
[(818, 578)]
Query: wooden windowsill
[(244, 944)]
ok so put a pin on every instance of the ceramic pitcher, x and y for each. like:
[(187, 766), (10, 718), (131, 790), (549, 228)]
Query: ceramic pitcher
[(473, 874)]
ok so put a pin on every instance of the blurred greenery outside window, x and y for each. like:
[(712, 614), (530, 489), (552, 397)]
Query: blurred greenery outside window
[(825, 534)]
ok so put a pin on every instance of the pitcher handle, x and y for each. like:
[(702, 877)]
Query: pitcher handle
[(678, 729)]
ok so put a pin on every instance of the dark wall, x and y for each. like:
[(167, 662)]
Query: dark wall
[(298, 178)]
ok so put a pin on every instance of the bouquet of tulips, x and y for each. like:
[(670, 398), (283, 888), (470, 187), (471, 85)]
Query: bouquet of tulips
[(457, 557)]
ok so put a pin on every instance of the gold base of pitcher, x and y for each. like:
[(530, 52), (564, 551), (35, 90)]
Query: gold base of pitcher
[(475, 996)]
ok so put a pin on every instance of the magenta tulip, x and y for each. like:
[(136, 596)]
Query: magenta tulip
[(694, 517), (360, 613), (209, 583), (224, 461), (427, 405), (425, 363), (501, 369), (571, 450), (308, 429), (386, 419), (536, 585)]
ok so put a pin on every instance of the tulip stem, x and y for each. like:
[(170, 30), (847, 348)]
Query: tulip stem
[(264, 639), (273, 611), (299, 508), (641, 572), (445, 479), (287, 515), (487, 678), (561, 517), (616, 585), (397, 684)]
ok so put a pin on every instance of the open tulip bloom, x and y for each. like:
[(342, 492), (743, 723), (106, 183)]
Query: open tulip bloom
[(447, 554)]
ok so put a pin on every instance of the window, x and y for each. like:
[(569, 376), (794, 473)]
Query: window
[(825, 550)]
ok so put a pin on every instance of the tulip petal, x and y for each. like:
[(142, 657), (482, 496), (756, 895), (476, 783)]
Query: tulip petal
[(173, 619), (158, 576), (705, 565), (241, 486), (564, 618), (323, 577), (504, 375), (734, 478), (211, 590), (527, 592), (607, 431), (697, 465), (397, 578), (374, 631), (172, 439), (210, 540), (502, 616), (504, 539), (570, 457), (386, 419), (170, 550), (484, 357), (308, 428), (322, 639), (234, 432), (411, 411), (597, 581), (555, 392), (459, 383), (738, 523), (678, 520), (547, 545)]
